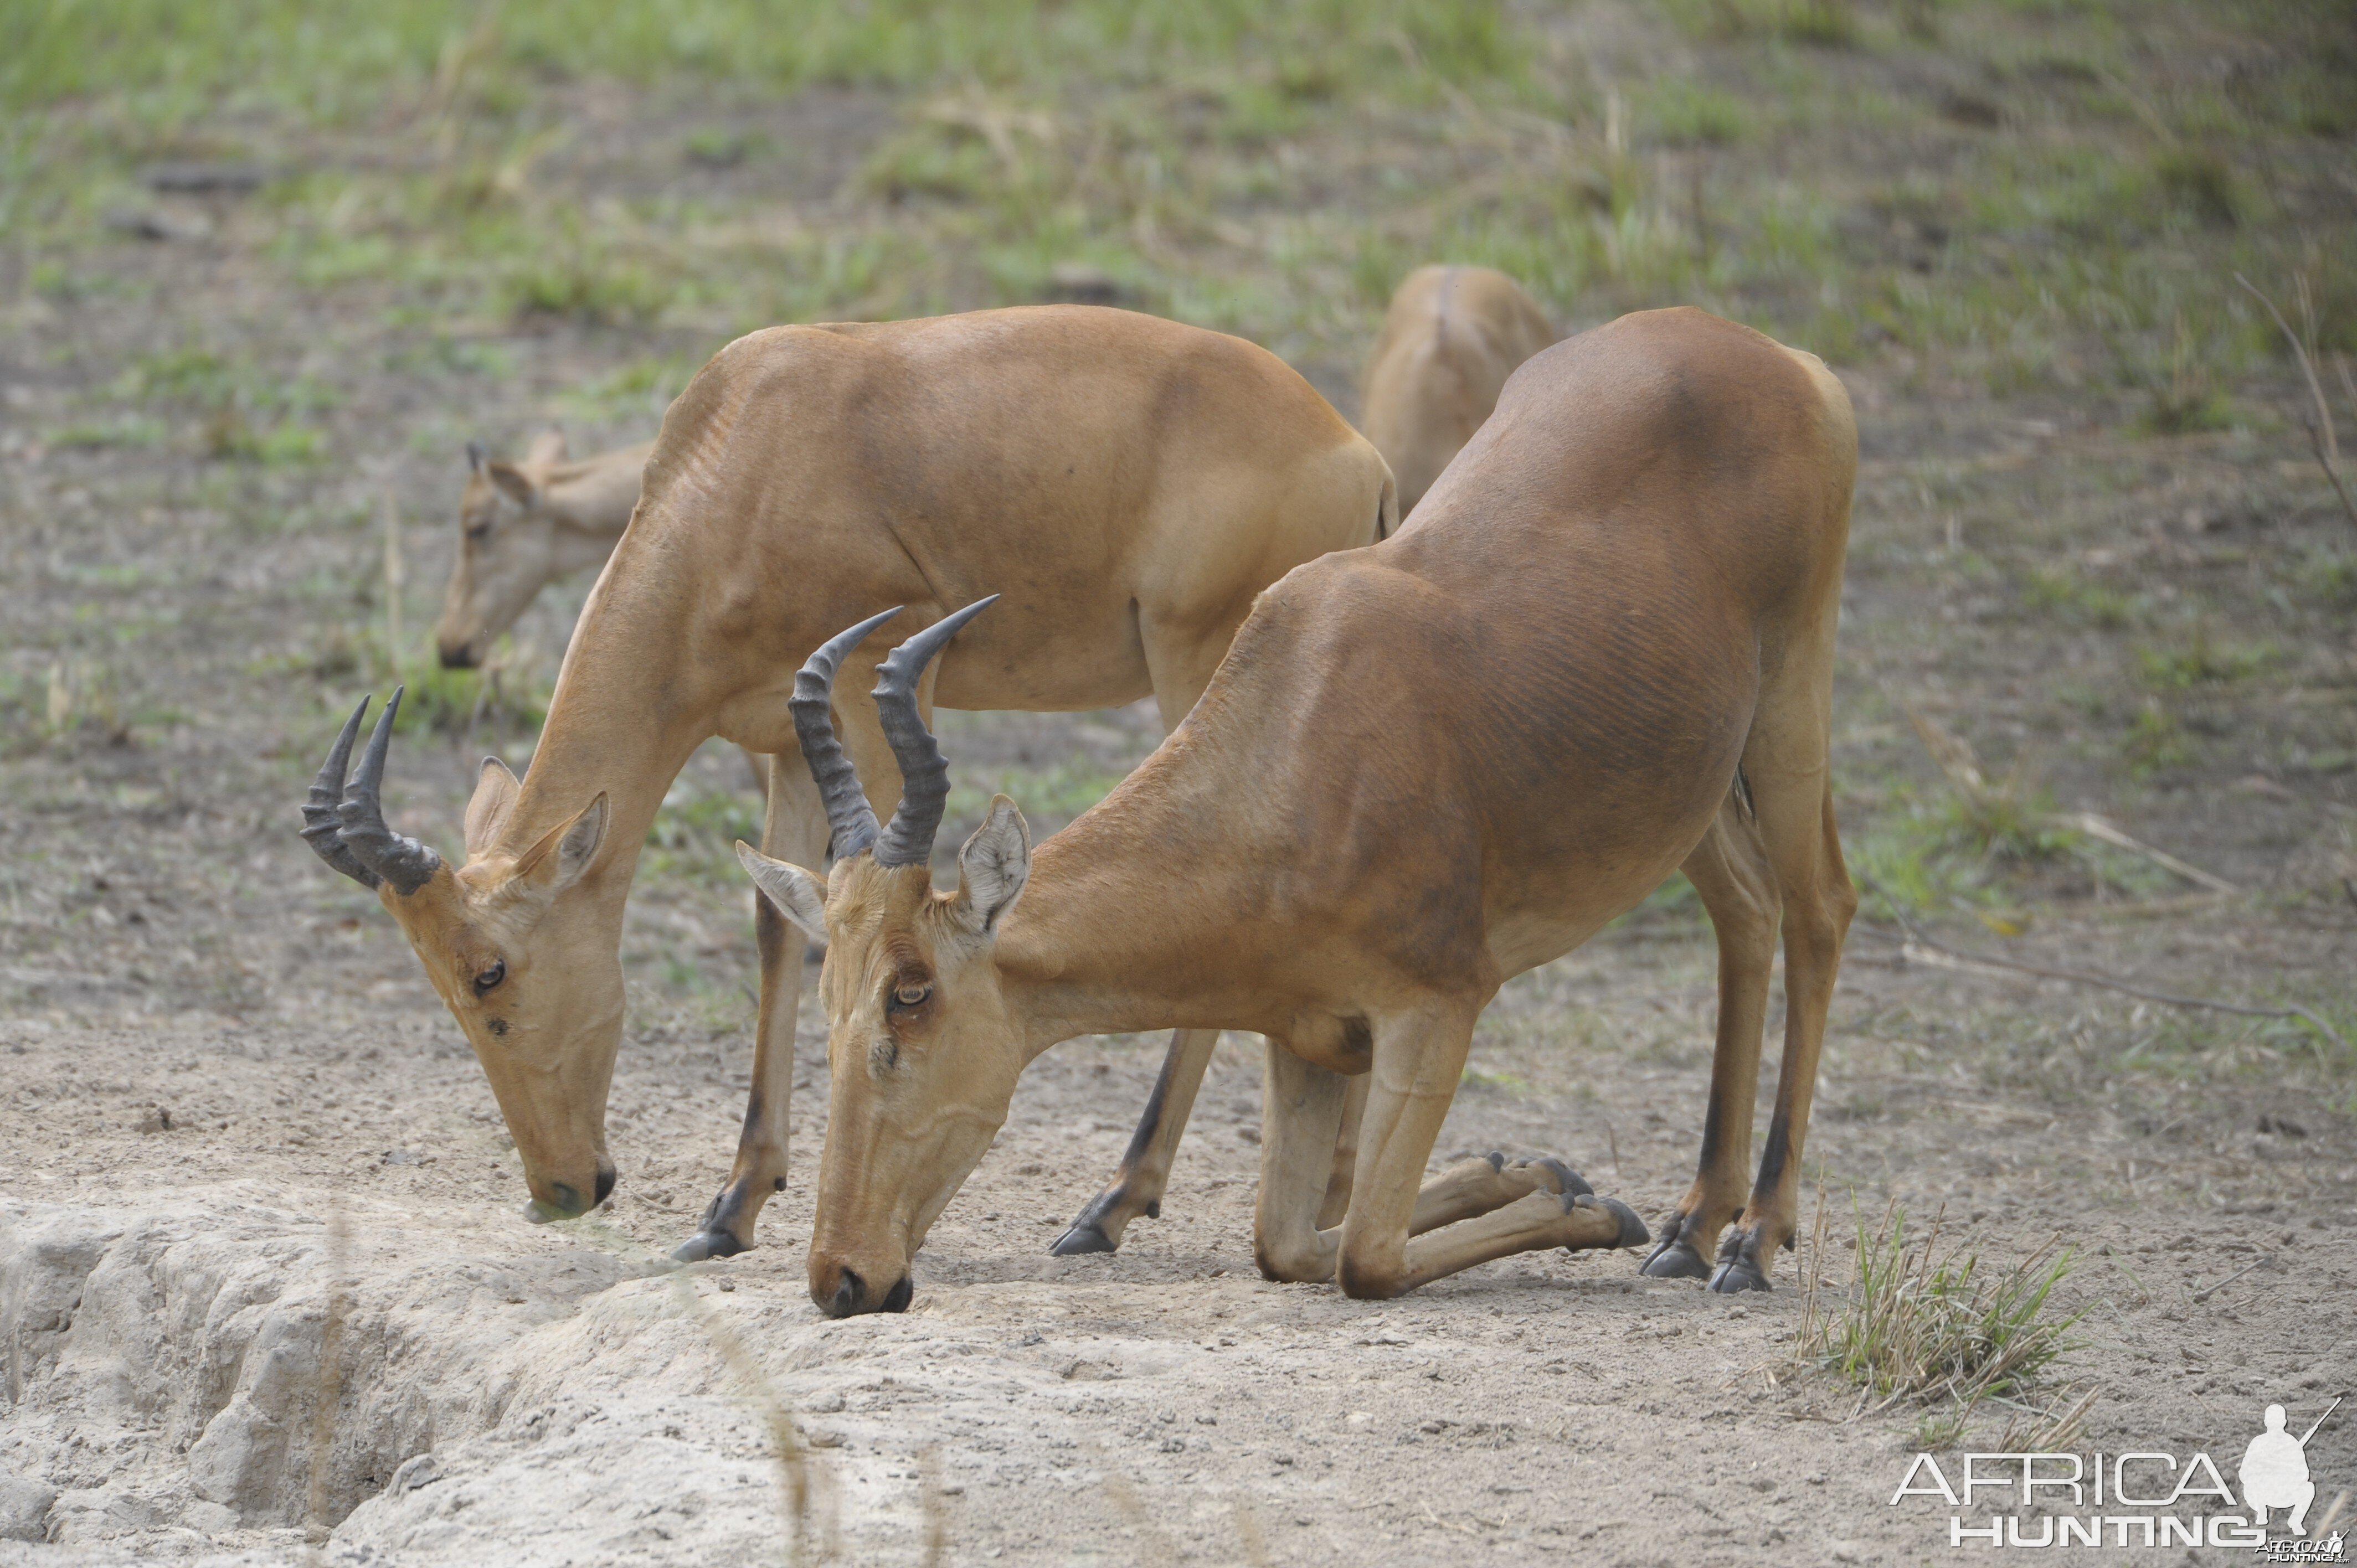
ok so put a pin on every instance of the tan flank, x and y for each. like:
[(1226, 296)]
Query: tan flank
[(524, 525), (1126, 483), (1601, 651), (1450, 338)]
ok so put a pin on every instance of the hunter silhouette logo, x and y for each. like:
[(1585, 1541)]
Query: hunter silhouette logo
[(2135, 1498), (2274, 1470)]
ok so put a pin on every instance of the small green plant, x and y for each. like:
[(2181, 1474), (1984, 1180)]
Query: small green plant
[(1938, 1328), (2199, 181), (2201, 663), (458, 701), (2155, 740), (1684, 115), (718, 147), (587, 288), (1827, 23), (2073, 599), (2185, 398)]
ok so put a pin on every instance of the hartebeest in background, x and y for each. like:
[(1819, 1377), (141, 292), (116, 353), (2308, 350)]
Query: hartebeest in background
[(1450, 338), (524, 525), (1128, 483), (1601, 651)]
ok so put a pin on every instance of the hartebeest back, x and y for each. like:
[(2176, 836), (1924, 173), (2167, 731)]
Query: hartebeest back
[(1601, 650), (522, 526), (1128, 483), (1450, 338)]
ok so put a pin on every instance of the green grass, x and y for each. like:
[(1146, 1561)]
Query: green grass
[(1938, 1328), (1266, 170)]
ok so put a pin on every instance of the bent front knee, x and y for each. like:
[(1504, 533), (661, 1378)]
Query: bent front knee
[(1306, 1261), (1368, 1279)]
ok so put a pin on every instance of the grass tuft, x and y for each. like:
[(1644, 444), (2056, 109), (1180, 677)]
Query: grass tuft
[(1938, 1328)]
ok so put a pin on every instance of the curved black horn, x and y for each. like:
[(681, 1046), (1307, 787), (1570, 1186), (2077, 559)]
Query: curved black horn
[(399, 859), (849, 820), (924, 772), (323, 828)]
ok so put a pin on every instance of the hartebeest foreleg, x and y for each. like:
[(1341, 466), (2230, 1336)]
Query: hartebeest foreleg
[(1302, 1110), (1145, 1173), (794, 825), (1346, 1155), (1418, 1059)]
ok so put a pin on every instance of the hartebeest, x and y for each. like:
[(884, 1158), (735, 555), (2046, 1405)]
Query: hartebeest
[(1128, 483), (1450, 338), (1603, 649), (524, 525)]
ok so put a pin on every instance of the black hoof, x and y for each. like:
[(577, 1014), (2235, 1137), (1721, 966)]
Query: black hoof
[(1674, 1259), (1739, 1274), (706, 1244), (1568, 1182), (1632, 1229), (1085, 1236)]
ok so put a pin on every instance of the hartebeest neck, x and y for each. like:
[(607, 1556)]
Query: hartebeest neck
[(595, 496), (1125, 923), (629, 710)]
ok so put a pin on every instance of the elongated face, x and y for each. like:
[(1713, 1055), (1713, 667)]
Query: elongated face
[(508, 551), (520, 946), (923, 1056), (514, 949)]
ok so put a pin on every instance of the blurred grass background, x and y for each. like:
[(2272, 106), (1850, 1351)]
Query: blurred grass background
[(2049, 196), (2091, 538)]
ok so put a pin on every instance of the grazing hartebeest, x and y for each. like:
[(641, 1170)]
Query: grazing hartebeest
[(1128, 483), (1601, 651), (1450, 338), (524, 525)]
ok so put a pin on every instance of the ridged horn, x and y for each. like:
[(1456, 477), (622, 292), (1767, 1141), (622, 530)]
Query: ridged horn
[(323, 826), (924, 772), (397, 858), (851, 823)]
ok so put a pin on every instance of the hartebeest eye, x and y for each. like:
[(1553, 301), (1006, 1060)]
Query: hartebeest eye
[(908, 996), (488, 979)]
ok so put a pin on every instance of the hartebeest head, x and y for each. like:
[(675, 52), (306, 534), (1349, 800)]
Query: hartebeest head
[(509, 549), (521, 990), (924, 1060)]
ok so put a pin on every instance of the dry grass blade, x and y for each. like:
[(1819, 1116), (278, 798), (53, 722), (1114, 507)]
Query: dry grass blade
[(807, 1527), (1915, 947), (329, 1392), (2048, 1431), (2320, 426)]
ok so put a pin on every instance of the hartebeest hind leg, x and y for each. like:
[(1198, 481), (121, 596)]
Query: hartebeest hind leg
[(1418, 1059), (1729, 869), (793, 828), (1805, 849)]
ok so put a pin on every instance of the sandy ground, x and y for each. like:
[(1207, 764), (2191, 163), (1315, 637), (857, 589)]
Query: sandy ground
[(495, 1391)]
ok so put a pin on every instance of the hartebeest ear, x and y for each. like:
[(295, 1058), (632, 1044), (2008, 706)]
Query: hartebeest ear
[(477, 456), (993, 865), (547, 447), (558, 861), (495, 797), (791, 891), (515, 482)]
